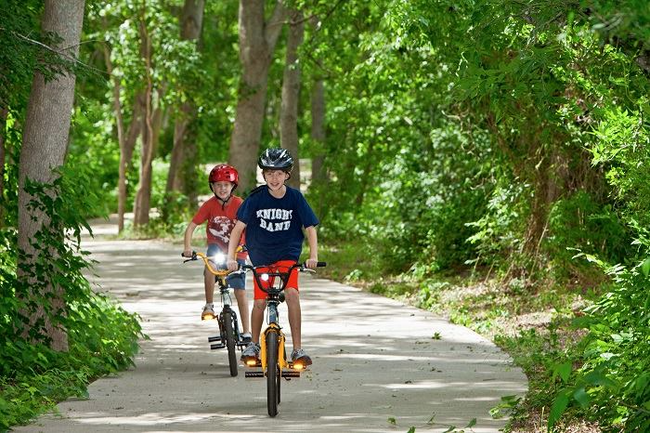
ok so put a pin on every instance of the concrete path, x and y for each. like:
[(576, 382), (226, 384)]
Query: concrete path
[(376, 366)]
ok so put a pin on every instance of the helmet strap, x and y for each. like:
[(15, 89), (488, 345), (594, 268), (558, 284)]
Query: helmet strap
[(223, 202)]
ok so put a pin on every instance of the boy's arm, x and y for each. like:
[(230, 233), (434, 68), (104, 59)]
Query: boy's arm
[(187, 240), (235, 237), (312, 240)]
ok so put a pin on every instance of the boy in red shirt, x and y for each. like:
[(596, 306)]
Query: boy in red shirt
[(220, 212)]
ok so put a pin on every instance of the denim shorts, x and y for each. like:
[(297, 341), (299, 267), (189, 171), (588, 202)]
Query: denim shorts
[(236, 281)]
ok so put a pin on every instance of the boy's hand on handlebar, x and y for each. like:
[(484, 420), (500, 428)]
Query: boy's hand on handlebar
[(311, 263), (187, 253), (232, 264)]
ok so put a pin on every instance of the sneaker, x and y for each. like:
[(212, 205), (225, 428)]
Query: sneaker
[(246, 337), (298, 356), (251, 353), (208, 312)]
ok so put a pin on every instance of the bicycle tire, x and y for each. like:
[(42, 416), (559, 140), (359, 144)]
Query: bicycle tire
[(272, 373), (229, 334), (280, 378)]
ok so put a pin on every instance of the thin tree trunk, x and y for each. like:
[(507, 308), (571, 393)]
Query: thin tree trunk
[(318, 130), (126, 156), (150, 133), (152, 122), (191, 23), (291, 94), (126, 140), (174, 179), (45, 141), (257, 40)]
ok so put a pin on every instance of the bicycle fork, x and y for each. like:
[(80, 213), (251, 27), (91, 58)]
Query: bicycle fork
[(282, 356), (285, 367)]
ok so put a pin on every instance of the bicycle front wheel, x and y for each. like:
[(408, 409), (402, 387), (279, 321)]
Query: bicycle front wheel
[(228, 330), (272, 373)]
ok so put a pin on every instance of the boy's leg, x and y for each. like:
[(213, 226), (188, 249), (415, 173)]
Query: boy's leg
[(257, 318), (209, 286), (252, 351), (208, 312), (292, 298), (242, 302), (209, 276), (238, 283)]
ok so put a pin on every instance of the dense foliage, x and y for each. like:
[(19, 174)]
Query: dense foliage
[(509, 136), (33, 376)]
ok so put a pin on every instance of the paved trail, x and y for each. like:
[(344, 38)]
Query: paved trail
[(376, 366)]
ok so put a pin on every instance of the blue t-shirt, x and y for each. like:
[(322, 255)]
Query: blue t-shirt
[(274, 225)]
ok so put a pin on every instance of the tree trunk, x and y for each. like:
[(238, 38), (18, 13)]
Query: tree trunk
[(126, 156), (191, 23), (318, 130), (181, 123), (45, 141), (152, 121), (257, 41), (291, 94), (126, 140), (151, 131)]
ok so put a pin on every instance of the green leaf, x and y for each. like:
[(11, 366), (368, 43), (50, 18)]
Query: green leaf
[(598, 378), (645, 267), (559, 406), (563, 370), (580, 395)]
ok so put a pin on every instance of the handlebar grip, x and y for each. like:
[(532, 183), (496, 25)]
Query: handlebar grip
[(321, 264)]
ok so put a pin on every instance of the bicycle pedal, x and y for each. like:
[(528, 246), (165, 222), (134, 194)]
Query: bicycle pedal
[(288, 374), (213, 339), (254, 374), (217, 346)]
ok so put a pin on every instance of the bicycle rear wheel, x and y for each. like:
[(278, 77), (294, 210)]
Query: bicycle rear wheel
[(272, 373), (228, 330)]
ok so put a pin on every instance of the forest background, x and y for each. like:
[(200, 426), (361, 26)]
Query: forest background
[(488, 157)]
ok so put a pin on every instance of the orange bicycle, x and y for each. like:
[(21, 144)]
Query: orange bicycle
[(229, 336), (273, 357)]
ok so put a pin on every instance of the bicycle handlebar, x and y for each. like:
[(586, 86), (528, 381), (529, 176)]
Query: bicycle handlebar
[(206, 260), (284, 276)]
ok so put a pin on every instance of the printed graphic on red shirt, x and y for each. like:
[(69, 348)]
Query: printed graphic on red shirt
[(220, 228)]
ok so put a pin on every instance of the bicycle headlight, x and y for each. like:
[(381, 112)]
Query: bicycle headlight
[(218, 258)]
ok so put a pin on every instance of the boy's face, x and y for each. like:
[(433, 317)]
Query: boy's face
[(275, 179), (222, 189)]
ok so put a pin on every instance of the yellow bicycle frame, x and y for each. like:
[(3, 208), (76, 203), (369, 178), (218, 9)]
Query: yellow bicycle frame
[(282, 360)]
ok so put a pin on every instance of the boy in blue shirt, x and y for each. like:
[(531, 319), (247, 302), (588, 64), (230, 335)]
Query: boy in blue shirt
[(274, 216)]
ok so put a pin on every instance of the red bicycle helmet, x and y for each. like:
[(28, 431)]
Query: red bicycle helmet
[(224, 173)]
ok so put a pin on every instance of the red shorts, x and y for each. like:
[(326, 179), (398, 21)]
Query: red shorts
[(279, 266)]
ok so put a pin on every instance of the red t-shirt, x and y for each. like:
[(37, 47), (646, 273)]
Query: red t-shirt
[(221, 220)]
